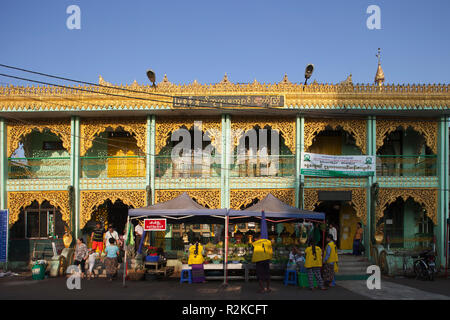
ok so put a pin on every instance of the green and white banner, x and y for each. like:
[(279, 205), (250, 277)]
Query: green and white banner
[(323, 165)]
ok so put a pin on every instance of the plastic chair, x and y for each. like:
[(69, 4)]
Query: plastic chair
[(187, 278), (287, 277)]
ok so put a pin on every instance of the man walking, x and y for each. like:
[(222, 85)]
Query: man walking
[(262, 254), (97, 238)]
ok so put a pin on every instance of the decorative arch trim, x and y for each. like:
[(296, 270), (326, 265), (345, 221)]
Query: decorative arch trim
[(243, 197), (359, 200), (205, 197), (357, 128), (18, 130), (58, 199), (428, 198), (90, 128), (91, 199), (165, 126), (285, 126), (429, 129)]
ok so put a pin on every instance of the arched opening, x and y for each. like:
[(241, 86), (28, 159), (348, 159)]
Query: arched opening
[(114, 154), (188, 153), (405, 224), (261, 152), (334, 142), (37, 226), (405, 153), (39, 155), (107, 214)]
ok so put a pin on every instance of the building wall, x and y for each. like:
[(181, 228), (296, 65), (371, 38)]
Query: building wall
[(109, 187)]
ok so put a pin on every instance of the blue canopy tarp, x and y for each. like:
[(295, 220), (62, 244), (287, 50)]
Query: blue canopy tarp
[(182, 208), (275, 211)]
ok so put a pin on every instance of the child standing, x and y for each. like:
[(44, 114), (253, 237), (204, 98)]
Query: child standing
[(92, 258)]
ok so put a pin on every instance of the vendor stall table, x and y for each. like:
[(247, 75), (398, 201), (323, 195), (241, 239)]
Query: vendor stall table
[(159, 267), (237, 266)]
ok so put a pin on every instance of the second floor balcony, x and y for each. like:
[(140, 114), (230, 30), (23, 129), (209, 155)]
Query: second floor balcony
[(407, 165), (166, 167)]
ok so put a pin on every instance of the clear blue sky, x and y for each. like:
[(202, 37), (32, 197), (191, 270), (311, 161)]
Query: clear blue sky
[(248, 39)]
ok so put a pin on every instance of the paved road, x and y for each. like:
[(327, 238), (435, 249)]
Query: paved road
[(55, 288), (162, 290)]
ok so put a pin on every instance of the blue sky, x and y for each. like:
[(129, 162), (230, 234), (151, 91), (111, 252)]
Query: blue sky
[(247, 39)]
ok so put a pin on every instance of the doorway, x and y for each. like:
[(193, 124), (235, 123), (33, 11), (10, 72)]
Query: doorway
[(342, 215), (107, 214)]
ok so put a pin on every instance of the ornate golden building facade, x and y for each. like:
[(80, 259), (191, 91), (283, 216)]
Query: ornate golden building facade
[(77, 149)]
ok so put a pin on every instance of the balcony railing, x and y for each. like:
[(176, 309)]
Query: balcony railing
[(187, 167), (39, 168), (415, 165), (257, 166), (113, 167)]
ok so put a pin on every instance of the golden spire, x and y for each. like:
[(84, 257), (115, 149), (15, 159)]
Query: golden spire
[(379, 77)]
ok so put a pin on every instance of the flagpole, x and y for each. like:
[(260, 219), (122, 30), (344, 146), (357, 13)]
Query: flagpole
[(126, 247)]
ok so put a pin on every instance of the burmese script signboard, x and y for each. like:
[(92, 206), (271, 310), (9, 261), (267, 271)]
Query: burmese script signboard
[(155, 224), (267, 101), (323, 165)]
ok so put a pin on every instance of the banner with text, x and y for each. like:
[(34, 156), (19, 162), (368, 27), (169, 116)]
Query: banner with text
[(322, 165)]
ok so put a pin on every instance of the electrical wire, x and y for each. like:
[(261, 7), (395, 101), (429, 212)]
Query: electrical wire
[(126, 89), (328, 114)]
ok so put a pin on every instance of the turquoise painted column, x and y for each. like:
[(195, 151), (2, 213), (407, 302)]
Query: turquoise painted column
[(226, 160), (150, 156), (371, 151), (75, 172), (3, 164), (223, 162), (443, 198), (299, 145)]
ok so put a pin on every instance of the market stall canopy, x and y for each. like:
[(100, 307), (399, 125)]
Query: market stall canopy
[(275, 211), (182, 208)]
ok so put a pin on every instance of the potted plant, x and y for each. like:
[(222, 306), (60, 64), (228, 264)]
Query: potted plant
[(152, 254)]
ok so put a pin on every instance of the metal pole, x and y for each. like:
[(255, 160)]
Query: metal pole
[(126, 247), (225, 280)]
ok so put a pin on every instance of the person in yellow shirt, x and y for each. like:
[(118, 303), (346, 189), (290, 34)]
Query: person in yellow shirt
[(329, 260), (196, 261), (262, 254), (313, 263)]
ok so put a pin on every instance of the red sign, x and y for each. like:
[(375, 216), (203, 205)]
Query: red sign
[(155, 224)]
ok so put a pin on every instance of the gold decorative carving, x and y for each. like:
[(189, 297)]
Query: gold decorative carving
[(166, 126), (90, 128), (359, 200), (18, 130), (428, 198), (205, 197), (285, 126), (369, 96), (91, 199), (243, 197), (58, 199), (429, 129), (357, 128)]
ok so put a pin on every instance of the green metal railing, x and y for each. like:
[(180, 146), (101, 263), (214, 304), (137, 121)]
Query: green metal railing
[(257, 166), (112, 167), (188, 167), (414, 165), (39, 168)]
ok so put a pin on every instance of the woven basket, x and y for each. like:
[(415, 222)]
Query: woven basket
[(136, 275)]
